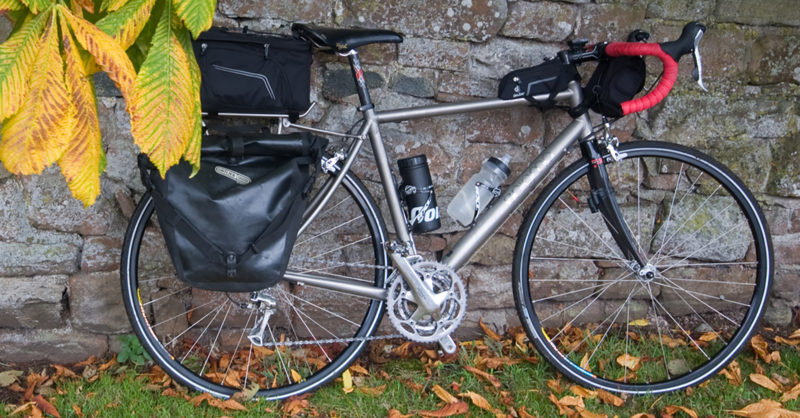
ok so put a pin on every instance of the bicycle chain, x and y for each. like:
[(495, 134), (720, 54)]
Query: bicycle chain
[(334, 340)]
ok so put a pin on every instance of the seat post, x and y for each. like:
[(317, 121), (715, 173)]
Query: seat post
[(360, 79)]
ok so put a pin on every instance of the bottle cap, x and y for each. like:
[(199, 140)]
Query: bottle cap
[(502, 165), (412, 161)]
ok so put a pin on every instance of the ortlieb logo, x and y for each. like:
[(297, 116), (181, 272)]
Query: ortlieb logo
[(237, 177)]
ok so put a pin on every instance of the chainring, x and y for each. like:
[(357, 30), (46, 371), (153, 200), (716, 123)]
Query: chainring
[(411, 320)]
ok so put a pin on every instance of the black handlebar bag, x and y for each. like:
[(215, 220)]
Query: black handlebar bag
[(232, 226), (615, 81), (252, 72)]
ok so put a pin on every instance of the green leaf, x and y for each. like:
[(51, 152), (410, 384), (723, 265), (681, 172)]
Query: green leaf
[(125, 24), (197, 15), (163, 105), (192, 152), (111, 5), (37, 6), (17, 55)]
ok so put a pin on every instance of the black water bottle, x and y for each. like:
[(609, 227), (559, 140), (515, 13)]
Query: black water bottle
[(417, 192)]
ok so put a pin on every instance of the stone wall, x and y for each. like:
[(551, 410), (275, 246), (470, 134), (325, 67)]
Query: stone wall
[(59, 291)]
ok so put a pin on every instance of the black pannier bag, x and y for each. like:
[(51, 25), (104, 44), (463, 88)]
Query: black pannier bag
[(232, 226), (248, 72), (615, 81), (549, 77)]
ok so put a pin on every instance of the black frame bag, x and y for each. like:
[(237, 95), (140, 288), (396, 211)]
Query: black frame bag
[(615, 81), (250, 72), (549, 77), (232, 226)]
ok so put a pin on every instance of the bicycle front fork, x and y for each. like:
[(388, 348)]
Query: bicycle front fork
[(603, 199)]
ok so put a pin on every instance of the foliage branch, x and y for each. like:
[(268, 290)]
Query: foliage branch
[(48, 105)]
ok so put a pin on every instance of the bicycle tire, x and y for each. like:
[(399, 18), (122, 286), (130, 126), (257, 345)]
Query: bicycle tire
[(589, 312), (346, 239)]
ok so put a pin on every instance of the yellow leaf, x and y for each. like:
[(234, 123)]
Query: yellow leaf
[(795, 334), (585, 363), (126, 24), (296, 377), (112, 5), (589, 414), (708, 337), (37, 6), (84, 158), (443, 394), (583, 392), (629, 362), (347, 381), (197, 15), (10, 6), (38, 134), (163, 104), (765, 408), (764, 381), (17, 57), (359, 369), (108, 54), (639, 323)]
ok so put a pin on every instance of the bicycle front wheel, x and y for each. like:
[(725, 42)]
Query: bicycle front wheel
[(606, 323), (202, 339)]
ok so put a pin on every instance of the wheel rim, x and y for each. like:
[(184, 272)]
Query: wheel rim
[(200, 337), (589, 311)]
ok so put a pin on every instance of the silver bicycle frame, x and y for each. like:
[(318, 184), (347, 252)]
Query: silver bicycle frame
[(486, 225)]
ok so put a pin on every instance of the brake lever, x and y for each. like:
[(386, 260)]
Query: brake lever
[(697, 73)]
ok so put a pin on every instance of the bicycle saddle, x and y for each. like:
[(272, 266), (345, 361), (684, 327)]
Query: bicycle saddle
[(343, 40)]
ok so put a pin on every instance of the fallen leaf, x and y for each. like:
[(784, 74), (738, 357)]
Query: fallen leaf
[(393, 413), (63, 372), (295, 405), (589, 414), (402, 350), (489, 377), (765, 408), (359, 369), (733, 373), (562, 410), (583, 392), (672, 342), (90, 360), (639, 323), (489, 332), (77, 410), (764, 381), (792, 394), (376, 391), (643, 415), (708, 337), (479, 401), (629, 362), (575, 401), (46, 406), (248, 393), (416, 387), (761, 349), (781, 340), (673, 409), (443, 394), (585, 363), (448, 411), (296, 377), (609, 398), (555, 386), (523, 413), (347, 381), (9, 377)]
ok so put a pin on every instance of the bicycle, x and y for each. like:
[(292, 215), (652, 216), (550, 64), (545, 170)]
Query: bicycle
[(660, 241)]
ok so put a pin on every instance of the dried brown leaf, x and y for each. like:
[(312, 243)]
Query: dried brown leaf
[(489, 332), (583, 392), (295, 405), (629, 362), (795, 334), (733, 373), (373, 391), (575, 401), (673, 409), (764, 381), (643, 415), (448, 411), (78, 410), (791, 394), (562, 410), (762, 349), (585, 363), (523, 413), (479, 401), (9, 377), (443, 394), (46, 406), (393, 413), (489, 377), (609, 398), (765, 408), (583, 413)]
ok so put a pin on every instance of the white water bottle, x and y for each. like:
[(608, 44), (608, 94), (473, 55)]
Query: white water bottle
[(481, 188)]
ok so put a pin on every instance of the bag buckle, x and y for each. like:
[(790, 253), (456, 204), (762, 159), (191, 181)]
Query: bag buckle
[(230, 262)]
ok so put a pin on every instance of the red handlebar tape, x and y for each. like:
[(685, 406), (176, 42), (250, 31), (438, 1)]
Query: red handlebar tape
[(616, 49)]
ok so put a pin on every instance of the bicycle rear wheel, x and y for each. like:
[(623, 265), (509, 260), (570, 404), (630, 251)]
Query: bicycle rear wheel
[(599, 321), (201, 338)]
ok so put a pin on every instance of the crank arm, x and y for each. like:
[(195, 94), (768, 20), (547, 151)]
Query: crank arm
[(423, 294)]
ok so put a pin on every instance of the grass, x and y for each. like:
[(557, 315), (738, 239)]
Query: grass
[(406, 384)]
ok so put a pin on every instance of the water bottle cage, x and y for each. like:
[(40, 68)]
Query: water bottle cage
[(496, 191)]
